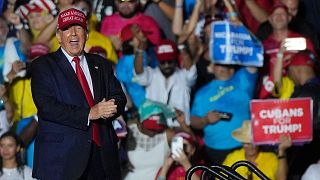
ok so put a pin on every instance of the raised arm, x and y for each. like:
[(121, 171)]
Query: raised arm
[(194, 17), (232, 14), (139, 44), (185, 56), (23, 35), (182, 123), (285, 143), (166, 9), (259, 13), (177, 22), (277, 69), (48, 33)]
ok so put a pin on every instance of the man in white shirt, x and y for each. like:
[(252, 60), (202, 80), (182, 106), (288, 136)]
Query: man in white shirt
[(168, 83)]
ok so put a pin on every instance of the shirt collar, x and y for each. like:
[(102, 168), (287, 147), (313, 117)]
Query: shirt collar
[(70, 58)]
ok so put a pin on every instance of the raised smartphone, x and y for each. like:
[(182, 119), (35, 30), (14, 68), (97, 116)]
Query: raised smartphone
[(176, 143), (295, 44)]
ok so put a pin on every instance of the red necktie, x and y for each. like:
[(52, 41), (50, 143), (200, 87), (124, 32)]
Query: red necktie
[(87, 92)]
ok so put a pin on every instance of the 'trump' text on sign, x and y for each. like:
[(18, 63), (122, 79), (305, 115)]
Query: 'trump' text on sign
[(270, 118)]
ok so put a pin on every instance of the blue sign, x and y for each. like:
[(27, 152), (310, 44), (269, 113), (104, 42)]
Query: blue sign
[(230, 44)]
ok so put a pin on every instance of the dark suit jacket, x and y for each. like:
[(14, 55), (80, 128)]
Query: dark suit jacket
[(63, 141)]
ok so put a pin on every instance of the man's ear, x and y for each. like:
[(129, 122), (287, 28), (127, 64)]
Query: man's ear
[(87, 36)]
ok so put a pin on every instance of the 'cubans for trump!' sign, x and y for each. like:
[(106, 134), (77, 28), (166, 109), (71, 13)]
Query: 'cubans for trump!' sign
[(230, 44), (273, 117)]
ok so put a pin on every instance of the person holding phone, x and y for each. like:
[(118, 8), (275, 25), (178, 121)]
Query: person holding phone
[(149, 139), (279, 19), (167, 83), (230, 92), (301, 81), (221, 106), (181, 158)]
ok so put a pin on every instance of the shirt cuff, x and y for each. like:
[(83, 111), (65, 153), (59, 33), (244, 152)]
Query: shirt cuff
[(35, 117)]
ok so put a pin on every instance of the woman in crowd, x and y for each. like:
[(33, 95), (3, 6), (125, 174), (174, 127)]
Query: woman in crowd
[(178, 162), (11, 165)]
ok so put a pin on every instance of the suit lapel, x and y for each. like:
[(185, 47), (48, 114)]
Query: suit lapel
[(67, 69), (94, 69)]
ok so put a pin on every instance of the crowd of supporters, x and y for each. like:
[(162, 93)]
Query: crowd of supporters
[(162, 55)]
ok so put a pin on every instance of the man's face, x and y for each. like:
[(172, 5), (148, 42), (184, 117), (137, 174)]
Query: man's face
[(250, 149), (279, 19), (292, 6), (168, 67), (127, 9), (72, 39), (146, 131), (223, 72), (297, 74)]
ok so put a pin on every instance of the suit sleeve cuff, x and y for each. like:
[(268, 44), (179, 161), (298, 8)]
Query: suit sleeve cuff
[(88, 122)]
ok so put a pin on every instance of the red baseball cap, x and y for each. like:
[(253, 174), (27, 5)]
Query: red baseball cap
[(188, 137), (36, 6), (279, 5), (71, 16), (166, 50), (126, 33), (37, 50), (302, 59), (152, 124)]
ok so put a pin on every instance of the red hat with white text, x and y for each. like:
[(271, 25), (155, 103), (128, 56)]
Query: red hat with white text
[(36, 6), (71, 16), (166, 50)]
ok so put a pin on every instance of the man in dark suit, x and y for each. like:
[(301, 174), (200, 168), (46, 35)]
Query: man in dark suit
[(77, 97)]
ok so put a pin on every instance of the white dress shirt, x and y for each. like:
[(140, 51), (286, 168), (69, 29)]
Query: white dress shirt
[(84, 67)]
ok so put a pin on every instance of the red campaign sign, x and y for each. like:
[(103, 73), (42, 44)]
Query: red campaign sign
[(273, 117)]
